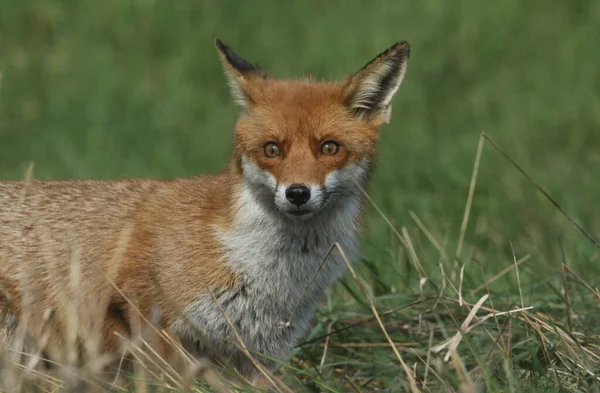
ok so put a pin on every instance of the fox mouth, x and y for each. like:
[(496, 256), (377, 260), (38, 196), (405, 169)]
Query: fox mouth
[(299, 214)]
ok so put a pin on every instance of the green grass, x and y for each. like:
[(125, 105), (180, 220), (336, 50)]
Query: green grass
[(124, 88)]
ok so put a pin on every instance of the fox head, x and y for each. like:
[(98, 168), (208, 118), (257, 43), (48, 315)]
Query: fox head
[(301, 145)]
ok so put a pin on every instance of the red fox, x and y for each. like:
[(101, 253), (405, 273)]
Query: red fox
[(251, 236)]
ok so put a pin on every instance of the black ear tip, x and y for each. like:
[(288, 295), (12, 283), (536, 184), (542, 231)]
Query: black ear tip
[(236, 61), (220, 45), (401, 43), (401, 47)]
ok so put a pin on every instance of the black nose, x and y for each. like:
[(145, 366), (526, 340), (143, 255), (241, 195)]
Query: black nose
[(297, 194)]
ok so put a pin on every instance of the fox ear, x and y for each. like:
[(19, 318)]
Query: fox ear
[(240, 73), (369, 92)]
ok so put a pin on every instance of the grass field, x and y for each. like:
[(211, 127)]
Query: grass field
[(134, 88)]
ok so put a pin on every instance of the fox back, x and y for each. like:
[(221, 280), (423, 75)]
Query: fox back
[(209, 257)]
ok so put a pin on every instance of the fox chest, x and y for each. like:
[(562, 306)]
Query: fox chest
[(278, 291)]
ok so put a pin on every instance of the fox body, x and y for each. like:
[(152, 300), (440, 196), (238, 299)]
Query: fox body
[(251, 237)]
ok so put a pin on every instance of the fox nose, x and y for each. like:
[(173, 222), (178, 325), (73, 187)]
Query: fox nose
[(297, 194)]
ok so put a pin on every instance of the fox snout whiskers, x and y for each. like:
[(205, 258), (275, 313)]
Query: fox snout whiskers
[(300, 200)]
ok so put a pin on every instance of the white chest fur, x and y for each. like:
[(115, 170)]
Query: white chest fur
[(276, 258)]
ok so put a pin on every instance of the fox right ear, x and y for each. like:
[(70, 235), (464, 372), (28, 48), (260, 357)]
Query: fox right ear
[(369, 92), (240, 73)]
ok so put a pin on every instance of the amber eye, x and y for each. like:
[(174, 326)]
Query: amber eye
[(272, 149), (330, 148)]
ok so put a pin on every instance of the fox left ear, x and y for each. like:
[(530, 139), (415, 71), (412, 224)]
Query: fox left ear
[(369, 92), (240, 73)]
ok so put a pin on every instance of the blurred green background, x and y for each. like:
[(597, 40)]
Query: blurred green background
[(120, 88)]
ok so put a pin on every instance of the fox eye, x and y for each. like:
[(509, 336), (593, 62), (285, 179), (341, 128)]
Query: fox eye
[(272, 149), (330, 148)]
